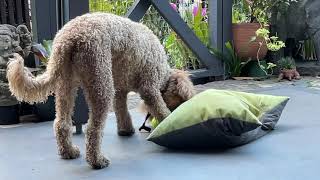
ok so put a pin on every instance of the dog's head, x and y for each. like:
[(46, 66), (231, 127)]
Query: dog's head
[(178, 90)]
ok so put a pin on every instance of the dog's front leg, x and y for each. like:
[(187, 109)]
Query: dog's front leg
[(124, 122), (155, 104)]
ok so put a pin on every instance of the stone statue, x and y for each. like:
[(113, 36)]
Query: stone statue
[(12, 40)]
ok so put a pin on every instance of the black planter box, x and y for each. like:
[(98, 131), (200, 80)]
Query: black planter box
[(46, 111), (9, 115), (81, 113)]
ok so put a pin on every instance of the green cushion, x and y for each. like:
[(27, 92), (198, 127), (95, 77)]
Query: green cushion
[(219, 118)]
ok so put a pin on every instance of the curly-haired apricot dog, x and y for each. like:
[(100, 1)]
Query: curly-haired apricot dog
[(108, 56)]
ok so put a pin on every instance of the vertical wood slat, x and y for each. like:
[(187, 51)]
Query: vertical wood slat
[(77, 8), (15, 12), (3, 14), (226, 23), (26, 15), (11, 10), (220, 23), (18, 10)]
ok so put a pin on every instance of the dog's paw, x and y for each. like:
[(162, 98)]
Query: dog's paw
[(71, 153), (98, 163), (125, 132)]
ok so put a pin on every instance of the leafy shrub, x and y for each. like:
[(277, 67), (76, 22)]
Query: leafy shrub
[(286, 63)]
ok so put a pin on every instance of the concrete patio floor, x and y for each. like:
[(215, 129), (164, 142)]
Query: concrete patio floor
[(290, 152)]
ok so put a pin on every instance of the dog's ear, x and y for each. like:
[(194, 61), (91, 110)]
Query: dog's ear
[(182, 84)]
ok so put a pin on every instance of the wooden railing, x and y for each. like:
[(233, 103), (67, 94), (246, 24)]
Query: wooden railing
[(220, 29), (15, 12)]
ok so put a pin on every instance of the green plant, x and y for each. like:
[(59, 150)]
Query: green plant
[(118, 7), (173, 47), (240, 11), (42, 51), (180, 56), (154, 21), (268, 70), (233, 63), (308, 50), (286, 63), (47, 44), (238, 16), (262, 10), (199, 26), (273, 44)]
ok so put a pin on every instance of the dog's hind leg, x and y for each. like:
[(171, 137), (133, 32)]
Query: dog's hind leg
[(124, 122), (65, 100), (96, 72), (99, 94)]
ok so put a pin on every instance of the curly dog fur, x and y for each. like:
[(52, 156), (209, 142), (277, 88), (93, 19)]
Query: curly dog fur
[(107, 56)]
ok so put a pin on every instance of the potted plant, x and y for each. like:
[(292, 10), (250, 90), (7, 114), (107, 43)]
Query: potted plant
[(308, 50), (46, 111), (288, 69), (251, 17)]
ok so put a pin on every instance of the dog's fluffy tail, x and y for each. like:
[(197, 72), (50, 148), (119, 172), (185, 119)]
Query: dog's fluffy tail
[(26, 87)]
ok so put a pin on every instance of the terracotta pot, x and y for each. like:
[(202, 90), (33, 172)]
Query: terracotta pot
[(242, 35), (288, 72)]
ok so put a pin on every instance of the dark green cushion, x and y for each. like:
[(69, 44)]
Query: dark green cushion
[(219, 118)]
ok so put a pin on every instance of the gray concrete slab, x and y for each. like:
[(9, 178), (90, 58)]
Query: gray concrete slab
[(289, 152)]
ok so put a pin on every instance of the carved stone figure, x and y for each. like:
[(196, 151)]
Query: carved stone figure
[(12, 39)]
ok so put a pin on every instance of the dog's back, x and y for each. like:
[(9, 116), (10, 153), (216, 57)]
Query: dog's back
[(136, 52)]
